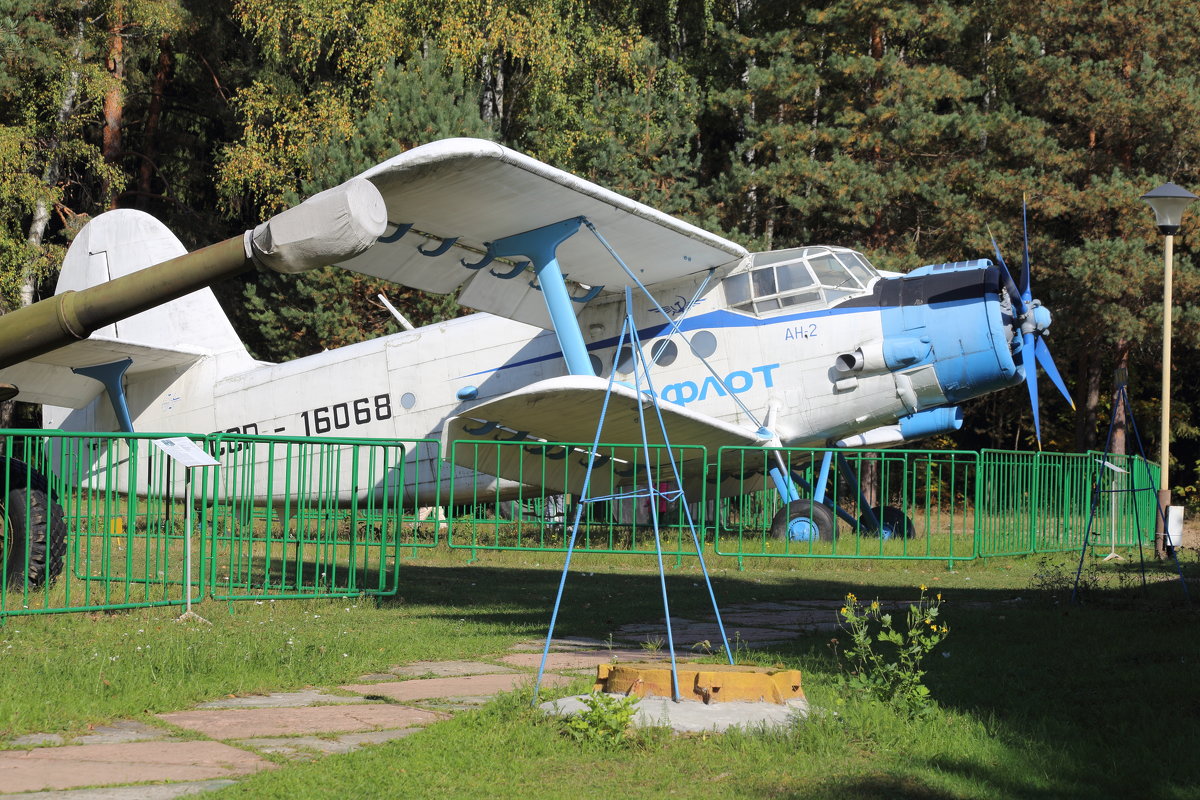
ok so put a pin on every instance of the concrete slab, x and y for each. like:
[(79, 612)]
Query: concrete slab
[(100, 764), (447, 669), (433, 688), (557, 661), (299, 699), (690, 716), (258, 722), (162, 791)]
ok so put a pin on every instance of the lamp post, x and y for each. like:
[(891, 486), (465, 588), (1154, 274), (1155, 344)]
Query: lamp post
[(1168, 202)]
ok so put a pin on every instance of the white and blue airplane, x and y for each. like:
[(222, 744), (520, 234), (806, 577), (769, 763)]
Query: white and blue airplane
[(808, 346)]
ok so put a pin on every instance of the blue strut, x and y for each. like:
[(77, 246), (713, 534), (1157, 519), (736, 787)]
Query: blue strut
[(110, 375), (540, 246)]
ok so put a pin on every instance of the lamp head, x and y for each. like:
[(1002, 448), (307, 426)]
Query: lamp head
[(1168, 202)]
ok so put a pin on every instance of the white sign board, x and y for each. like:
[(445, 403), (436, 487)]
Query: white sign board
[(186, 452)]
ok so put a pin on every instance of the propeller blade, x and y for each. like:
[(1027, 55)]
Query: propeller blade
[(1030, 363), (1026, 290), (1014, 294), (1042, 353)]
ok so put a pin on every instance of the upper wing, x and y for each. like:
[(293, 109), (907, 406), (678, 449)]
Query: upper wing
[(492, 437), (48, 379), (475, 192)]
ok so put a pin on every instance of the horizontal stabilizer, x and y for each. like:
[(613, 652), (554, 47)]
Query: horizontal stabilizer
[(50, 381), (567, 409), (447, 200)]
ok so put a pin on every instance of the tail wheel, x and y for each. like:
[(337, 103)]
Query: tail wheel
[(803, 521), (35, 538), (893, 523)]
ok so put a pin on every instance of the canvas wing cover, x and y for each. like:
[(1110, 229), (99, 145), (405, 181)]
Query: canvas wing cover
[(447, 200), (505, 437)]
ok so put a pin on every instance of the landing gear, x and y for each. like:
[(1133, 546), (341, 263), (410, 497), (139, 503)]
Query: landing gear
[(893, 523), (34, 538), (803, 521)]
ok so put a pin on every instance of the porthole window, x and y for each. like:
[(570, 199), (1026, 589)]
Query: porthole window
[(597, 364), (664, 352), (704, 344), (624, 360)]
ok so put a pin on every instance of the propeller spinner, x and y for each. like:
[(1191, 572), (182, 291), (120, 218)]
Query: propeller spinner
[(1031, 320)]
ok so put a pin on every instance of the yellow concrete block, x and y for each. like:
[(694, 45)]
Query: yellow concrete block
[(709, 683)]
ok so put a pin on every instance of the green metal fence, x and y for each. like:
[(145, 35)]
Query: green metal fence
[(275, 518), (534, 506), (109, 515), (888, 504)]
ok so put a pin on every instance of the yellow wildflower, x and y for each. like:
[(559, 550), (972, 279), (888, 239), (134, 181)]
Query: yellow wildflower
[(939, 595), (874, 605), (922, 587)]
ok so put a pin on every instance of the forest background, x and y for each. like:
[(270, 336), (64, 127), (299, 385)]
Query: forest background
[(905, 129)]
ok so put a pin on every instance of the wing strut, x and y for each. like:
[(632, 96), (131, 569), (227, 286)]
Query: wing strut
[(540, 246)]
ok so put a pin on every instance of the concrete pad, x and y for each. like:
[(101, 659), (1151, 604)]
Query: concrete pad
[(556, 661), (162, 791), (255, 722), (688, 635), (431, 688), (99, 764), (447, 669), (691, 716), (300, 699), (38, 740)]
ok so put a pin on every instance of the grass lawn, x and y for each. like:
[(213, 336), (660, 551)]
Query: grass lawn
[(1036, 697)]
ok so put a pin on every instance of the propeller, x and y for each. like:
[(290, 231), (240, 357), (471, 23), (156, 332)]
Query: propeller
[(1032, 321)]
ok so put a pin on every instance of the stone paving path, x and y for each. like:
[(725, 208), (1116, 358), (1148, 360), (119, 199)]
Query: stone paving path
[(208, 747)]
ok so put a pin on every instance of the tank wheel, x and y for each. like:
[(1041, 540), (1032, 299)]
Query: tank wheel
[(803, 521), (35, 538), (893, 523)]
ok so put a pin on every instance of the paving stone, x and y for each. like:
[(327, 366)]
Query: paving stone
[(121, 731), (447, 669), (557, 661), (99, 764), (38, 739), (690, 635), (301, 699), (162, 791), (434, 688), (565, 643), (306, 748), (259, 722)]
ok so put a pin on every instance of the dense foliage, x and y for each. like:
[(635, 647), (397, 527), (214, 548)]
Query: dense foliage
[(907, 128)]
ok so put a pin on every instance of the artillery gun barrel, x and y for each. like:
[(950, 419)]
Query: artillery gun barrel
[(332, 226)]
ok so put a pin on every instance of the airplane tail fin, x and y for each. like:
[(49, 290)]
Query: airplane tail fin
[(122, 242)]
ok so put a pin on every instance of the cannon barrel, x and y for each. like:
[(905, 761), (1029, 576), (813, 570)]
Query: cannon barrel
[(329, 227)]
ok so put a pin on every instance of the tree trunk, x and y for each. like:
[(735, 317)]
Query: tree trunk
[(1120, 423), (162, 76), (114, 98), (1085, 417)]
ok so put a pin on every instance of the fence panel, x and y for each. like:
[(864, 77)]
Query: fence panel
[(114, 549), (310, 517), (891, 504), (535, 506)]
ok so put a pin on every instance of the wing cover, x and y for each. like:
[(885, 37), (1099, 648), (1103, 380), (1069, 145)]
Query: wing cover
[(475, 192)]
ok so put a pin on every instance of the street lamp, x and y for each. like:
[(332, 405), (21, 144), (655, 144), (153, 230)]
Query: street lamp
[(1168, 202)]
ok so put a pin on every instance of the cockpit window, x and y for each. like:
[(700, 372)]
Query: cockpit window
[(807, 276)]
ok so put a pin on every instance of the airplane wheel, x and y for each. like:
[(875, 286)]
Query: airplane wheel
[(893, 523), (803, 521), (35, 538)]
